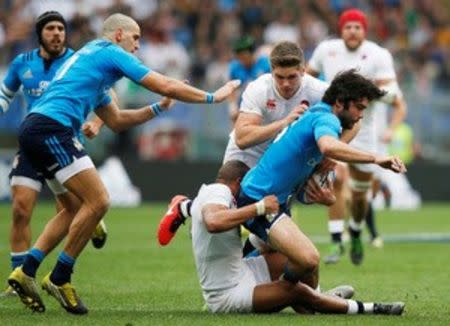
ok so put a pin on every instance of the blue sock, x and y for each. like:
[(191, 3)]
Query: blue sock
[(32, 261), (63, 269), (17, 259)]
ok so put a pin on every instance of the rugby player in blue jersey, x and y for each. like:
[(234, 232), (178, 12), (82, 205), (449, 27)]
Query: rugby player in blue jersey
[(47, 138), (33, 71), (291, 159), (247, 66)]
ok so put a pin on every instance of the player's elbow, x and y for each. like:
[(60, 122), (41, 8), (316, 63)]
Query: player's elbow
[(242, 141), (115, 126), (213, 226)]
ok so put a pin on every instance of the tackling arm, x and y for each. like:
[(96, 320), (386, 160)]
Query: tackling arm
[(250, 131), (219, 218)]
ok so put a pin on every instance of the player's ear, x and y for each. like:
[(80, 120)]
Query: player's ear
[(119, 34)]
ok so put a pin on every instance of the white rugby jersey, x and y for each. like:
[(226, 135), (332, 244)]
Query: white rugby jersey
[(261, 98), (218, 256), (371, 60)]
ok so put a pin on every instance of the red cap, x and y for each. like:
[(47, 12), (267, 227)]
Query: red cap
[(352, 15)]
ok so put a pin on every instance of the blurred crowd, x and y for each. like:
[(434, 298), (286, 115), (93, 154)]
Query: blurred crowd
[(192, 38)]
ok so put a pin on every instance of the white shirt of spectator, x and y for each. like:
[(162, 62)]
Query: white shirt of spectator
[(218, 256), (370, 60), (261, 98)]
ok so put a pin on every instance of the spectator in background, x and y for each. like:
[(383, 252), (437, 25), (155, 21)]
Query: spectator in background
[(247, 66)]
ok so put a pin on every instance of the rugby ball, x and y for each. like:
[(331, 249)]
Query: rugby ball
[(321, 179)]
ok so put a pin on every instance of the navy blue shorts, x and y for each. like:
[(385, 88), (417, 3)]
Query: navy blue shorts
[(49, 145), (260, 225), (24, 174)]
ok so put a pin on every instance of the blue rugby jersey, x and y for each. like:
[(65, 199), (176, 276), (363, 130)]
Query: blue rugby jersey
[(83, 82), (293, 155)]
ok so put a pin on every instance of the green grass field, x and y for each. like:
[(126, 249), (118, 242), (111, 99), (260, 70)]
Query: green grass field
[(133, 281)]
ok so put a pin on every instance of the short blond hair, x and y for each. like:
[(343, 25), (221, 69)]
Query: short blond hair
[(116, 21)]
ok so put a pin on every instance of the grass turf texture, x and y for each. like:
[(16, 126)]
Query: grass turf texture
[(133, 281)]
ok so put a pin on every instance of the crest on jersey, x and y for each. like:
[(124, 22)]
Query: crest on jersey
[(364, 57), (271, 104), (332, 53), (77, 144)]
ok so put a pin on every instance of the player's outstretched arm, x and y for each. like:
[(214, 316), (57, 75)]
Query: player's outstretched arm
[(179, 90), (335, 149), (118, 120), (219, 218)]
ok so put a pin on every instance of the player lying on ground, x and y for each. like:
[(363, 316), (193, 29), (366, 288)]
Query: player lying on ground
[(231, 283)]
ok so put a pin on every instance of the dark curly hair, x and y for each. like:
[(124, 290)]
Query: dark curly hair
[(349, 86)]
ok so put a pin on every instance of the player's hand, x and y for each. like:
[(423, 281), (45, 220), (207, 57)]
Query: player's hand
[(294, 114), (392, 163), (320, 195), (271, 204), (166, 103), (326, 165), (90, 129), (226, 90)]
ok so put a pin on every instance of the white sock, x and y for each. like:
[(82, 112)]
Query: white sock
[(353, 308), (355, 226), (184, 208), (336, 226)]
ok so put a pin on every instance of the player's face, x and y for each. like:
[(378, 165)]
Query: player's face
[(129, 39), (353, 34), (353, 114), (287, 80), (245, 58), (53, 38)]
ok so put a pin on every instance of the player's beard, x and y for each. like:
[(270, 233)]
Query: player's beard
[(347, 122), (51, 50)]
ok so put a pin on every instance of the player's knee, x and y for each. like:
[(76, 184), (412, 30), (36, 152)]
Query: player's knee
[(102, 203), (311, 260), (22, 210)]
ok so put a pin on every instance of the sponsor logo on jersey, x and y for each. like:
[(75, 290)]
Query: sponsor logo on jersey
[(27, 74), (271, 104)]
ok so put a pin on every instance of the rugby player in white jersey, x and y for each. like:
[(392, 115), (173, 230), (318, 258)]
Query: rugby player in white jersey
[(232, 284), (352, 50), (269, 104)]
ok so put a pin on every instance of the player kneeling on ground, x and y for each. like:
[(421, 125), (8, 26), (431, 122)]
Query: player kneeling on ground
[(231, 283)]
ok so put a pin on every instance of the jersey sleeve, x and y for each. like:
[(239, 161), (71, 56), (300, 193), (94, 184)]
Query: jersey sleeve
[(252, 99), (219, 194), (127, 64), (326, 125), (385, 66), (232, 68), (265, 64), (12, 80), (105, 99), (316, 60)]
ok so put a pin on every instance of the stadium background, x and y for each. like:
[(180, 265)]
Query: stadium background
[(192, 39)]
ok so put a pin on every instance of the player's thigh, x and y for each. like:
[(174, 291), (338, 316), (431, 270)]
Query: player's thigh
[(286, 237), (88, 186), (23, 200)]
